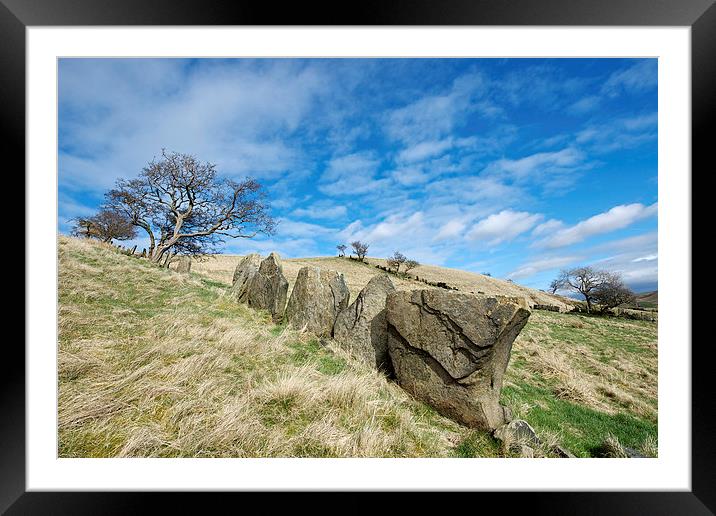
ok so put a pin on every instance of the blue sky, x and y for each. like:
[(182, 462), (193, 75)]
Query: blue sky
[(516, 167)]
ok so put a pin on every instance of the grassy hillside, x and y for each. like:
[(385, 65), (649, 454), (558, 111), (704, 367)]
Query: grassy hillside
[(221, 267), (154, 363)]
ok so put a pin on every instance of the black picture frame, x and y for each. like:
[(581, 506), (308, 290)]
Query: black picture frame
[(700, 15)]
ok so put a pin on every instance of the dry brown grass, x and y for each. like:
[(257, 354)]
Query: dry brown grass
[(221, 268), (152, 363)]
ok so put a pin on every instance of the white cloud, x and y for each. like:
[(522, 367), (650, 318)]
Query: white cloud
[(622, 133), (321, 210), (433, 116), (424, 150), (647, 258), (584, 105), (451, 229), (617, 217), (297, 229), (410, 176), (543, 264), (638, 77), (541, 163), (352, 174), (503, 226), (547, 227), (125, 111)]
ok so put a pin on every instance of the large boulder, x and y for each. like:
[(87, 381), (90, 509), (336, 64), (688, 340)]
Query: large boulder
[(317, 298), (247, 268), (268, 288), (451, 349), (362, 328)]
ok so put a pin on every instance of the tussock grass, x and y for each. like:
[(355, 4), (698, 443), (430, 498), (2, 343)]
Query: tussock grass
[(585, 379), (152, 363)]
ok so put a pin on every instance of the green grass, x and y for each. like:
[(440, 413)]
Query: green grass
[(582, 430)]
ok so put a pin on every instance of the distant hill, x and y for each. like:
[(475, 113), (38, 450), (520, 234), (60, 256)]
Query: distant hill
[(648, 299)]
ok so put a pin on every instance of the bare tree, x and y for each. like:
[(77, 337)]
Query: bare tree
[(106, 225), (411, 264), (555, 286), (186, 209), (612, 292), (395, 261), (584, 280), (360, 249), (341, 249)]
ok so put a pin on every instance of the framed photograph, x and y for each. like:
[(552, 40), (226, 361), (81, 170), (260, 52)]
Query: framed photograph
[(410, 249)]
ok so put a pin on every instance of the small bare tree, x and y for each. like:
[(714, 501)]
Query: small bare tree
[(411, 264), (360, 249), (186, 209), (395, 261), (106, 225), (341, 249), (555, 286)]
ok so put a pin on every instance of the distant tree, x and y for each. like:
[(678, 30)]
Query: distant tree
[(341, 249), (612, 292), (593, 284), (360, 249), (106, 225), (489, 274), (186, 209), (395, 261), (411, 264)]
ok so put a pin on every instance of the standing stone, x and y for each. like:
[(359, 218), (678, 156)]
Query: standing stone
[(362, 328), (247, 268), (317, 297), (268, 288), (184, 265), (451, 349)]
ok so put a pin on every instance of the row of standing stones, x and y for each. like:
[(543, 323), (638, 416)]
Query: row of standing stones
[(449, 349)]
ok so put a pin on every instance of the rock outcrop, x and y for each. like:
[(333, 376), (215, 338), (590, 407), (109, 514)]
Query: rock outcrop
[(247, 268), (451, 350), (267, 289), (318, 296), (362, 327)]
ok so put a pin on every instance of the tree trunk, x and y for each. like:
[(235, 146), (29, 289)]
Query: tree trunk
[(589, 305)]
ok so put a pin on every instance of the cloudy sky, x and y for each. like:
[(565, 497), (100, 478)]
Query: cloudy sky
[(516, 167)]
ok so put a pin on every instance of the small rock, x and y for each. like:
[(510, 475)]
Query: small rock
[(517, 431), (633, 454), (525, 452), (563, 452)]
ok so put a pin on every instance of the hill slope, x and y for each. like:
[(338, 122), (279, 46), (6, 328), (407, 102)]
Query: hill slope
[(648, 299), (221, 267), (152, 363)]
